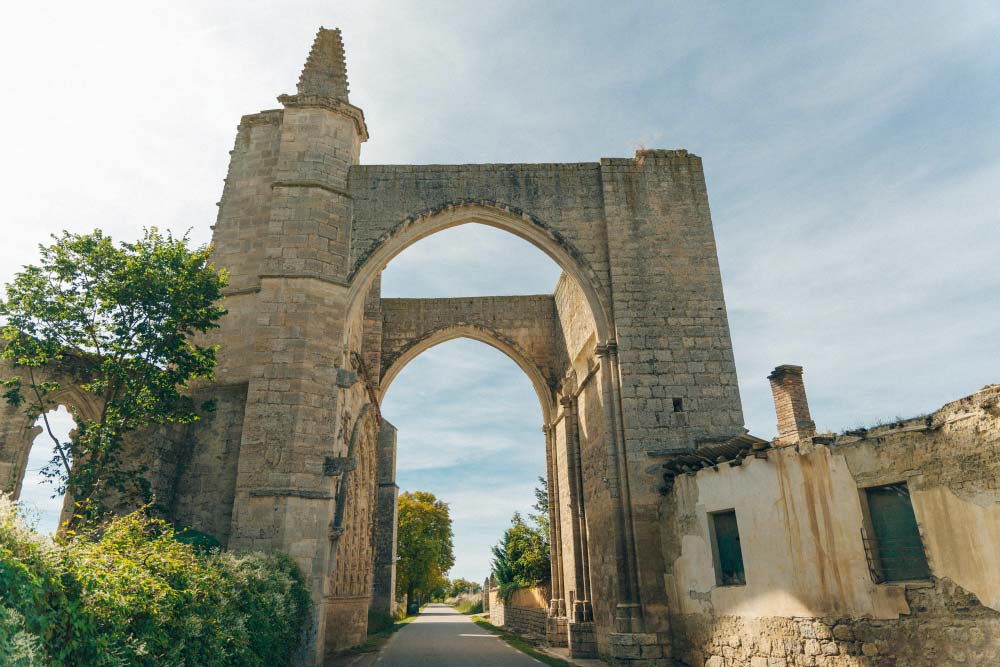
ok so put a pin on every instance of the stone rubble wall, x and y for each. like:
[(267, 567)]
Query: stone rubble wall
[(947, 629)]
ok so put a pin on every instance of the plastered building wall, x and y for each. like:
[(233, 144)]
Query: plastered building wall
[(809, 597)]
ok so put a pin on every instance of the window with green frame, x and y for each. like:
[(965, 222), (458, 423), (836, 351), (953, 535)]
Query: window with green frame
[(728, 553), (898, 549)]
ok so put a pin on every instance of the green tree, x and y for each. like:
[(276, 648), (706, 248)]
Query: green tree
[(541, 514), (425, 545), (521, 559), (117, 321), (462, 586)]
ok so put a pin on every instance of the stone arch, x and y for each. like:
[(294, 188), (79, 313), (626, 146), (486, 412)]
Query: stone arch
[(483, 335), (373, 259), (18, 431)]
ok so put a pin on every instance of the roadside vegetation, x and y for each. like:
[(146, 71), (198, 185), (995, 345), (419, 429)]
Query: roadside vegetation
[(132, 594), (465, 596), (469, 605), (521, 644), (521, 559), (113, 325)]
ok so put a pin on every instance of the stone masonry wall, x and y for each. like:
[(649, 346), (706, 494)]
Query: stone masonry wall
[(529, 622), (527, 323), (564, 197), (351, 584), (200, 486), (385, 529), (576, 322), (673, 331), (947, 629)]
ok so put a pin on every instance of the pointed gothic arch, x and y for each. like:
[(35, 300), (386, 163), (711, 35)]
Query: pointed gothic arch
[(495, 340), (370, 262)]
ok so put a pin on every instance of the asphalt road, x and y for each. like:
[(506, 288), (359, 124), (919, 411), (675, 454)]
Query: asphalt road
[(441, 637)]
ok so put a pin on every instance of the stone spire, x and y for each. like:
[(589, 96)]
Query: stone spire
[(325, 71)]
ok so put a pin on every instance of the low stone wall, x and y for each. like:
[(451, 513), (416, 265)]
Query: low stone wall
[(525, 615), (949, 628), (525, 621)]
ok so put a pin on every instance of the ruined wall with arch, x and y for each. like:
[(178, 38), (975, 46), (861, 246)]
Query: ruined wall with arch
[(526, 328), (637, 327), (18, 431)]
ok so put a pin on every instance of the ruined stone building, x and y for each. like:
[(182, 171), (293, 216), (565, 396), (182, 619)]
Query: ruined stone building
[(677, 538), (879, 546)]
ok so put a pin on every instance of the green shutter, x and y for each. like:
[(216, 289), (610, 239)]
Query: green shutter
[(727, 542), (900, 551)]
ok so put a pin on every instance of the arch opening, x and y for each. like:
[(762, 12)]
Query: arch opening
[(549, 331), (373, 260), (492, 339), (39, 491), (469, 432)]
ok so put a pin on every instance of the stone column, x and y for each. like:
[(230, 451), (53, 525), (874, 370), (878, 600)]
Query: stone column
[(288, 180), (557, 605), (628, 610), (555, 624), (384, 575), (581, 639)]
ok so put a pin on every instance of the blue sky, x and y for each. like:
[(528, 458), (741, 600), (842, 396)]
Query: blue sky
[(852, 152)]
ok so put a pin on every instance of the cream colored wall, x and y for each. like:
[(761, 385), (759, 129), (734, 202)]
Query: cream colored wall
[(962, 540), (950, 462), (799, 518), (536, 597)]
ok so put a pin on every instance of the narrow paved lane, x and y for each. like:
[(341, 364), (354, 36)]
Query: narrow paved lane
[(441, 637)]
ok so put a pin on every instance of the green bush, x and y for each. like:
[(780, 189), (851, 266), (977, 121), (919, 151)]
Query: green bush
[(18, 647), (132, 594), (468, 606)]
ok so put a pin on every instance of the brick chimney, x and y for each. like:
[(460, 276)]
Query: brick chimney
[(790, 403)]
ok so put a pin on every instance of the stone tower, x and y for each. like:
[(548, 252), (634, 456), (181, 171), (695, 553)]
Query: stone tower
[(283, 233)]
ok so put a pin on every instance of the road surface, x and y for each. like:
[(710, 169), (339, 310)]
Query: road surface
[(441, 637)]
